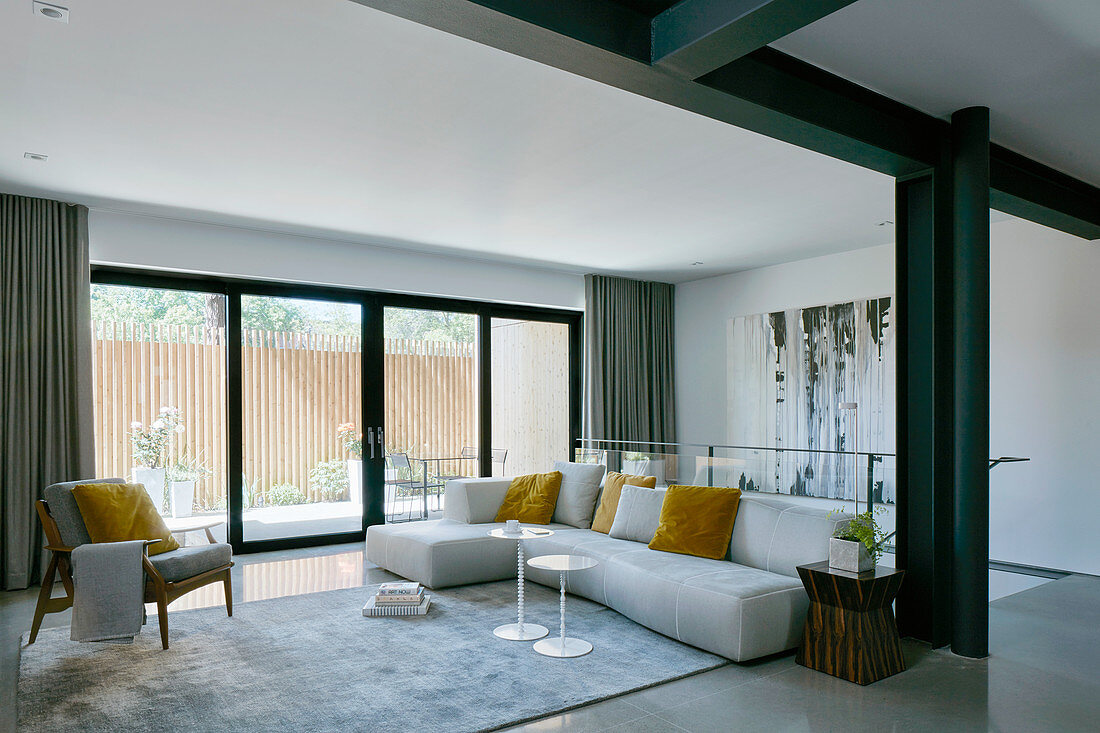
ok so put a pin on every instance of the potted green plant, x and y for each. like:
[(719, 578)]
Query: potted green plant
[(643, 464), (150, 449), (182, 477), (353, 444), (857, 545)]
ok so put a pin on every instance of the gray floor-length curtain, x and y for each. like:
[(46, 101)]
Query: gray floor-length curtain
[(629, 390), (45, 369)]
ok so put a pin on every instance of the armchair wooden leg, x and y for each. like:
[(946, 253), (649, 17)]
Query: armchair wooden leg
[(227, 582), (162, 613), (43, 597)]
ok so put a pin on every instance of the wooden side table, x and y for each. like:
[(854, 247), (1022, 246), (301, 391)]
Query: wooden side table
[(850, 629)]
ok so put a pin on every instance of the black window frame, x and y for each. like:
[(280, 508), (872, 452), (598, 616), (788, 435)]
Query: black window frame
[(372, 303)]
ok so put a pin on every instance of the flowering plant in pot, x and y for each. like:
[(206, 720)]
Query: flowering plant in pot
[(150, 450), (351, 438), (353, 444), (858, 545)]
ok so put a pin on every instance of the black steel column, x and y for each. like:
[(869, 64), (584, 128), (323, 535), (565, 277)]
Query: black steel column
[(970, 162), (924, 324)]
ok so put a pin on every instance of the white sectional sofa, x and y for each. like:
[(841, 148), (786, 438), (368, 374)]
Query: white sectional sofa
[(749, 605)]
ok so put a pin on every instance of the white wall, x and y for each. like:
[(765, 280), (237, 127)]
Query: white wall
[(704, 308), (1044, 397), (172, 244), (1044, 393)]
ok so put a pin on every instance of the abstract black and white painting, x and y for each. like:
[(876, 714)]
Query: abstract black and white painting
[(788, 373)]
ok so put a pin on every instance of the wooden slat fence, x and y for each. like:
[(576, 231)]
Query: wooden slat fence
[(297, 388)]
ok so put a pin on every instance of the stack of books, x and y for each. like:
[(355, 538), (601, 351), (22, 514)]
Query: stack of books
[(398, 599)]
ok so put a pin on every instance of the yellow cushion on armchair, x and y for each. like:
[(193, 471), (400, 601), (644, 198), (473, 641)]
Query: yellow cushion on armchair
[(121, 512)]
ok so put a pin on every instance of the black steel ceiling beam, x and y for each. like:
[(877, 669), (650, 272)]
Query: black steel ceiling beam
[(601, 23), (765, 91), (695, 37), (1038, 193), (881, 133)]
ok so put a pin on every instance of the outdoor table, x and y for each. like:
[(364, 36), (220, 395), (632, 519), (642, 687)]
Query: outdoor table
[(424, 481)]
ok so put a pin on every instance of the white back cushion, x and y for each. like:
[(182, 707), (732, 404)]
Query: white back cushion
[(474, 500), (580, 486), (638, 514), (776, 535)]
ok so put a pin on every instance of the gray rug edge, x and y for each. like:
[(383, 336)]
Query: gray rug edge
[(594, 701)]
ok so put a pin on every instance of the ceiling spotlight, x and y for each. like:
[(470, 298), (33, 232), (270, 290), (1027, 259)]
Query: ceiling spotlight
[(36, 156), (52, 12)]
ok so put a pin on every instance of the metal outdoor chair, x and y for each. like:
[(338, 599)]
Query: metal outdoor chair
[(468, 453), (398, 461), (500, 455), (169, 575)]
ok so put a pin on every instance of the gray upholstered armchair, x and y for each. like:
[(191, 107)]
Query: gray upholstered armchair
[(169, 575)]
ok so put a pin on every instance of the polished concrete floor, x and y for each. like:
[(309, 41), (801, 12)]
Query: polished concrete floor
[(1042, 675)]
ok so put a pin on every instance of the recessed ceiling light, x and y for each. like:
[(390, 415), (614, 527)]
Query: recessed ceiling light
[(36, 156), (51, 12)]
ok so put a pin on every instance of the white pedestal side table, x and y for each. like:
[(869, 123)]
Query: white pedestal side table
[(563, 646), (520, 630)]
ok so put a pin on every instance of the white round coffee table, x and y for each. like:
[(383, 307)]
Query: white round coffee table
[(520, 630), (563, 646)]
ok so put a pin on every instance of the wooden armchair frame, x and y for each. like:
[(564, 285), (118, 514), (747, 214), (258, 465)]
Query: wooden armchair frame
[(157, 589)]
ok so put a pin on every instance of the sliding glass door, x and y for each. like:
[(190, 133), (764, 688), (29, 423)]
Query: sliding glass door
[(431, 429), (280, 415), (159, 386), (301, 391)]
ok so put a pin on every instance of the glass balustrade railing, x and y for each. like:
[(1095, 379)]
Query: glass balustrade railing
[(847, 481)]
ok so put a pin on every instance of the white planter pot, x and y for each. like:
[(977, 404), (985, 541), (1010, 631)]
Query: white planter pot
[(183, 498), (153, 481), (646, 467), (851, 556), (355, 481)]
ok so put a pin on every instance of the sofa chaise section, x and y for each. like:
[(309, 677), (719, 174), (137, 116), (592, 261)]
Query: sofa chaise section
[(455, 550)]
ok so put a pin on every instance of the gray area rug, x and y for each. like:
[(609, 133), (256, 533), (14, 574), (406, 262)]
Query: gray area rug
[(314, 663)]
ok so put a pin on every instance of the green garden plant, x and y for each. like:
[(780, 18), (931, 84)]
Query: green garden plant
[(330, 479), (285, 495)]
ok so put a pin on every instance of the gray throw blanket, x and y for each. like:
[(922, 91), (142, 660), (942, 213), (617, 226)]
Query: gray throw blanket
[(109, 584)]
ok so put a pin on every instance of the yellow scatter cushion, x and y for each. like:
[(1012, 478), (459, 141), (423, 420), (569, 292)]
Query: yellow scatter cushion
[(531, 499), (121, 512), (697, 520), (609, 499)]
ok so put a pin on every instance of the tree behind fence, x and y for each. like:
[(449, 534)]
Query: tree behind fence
[(297, 388)]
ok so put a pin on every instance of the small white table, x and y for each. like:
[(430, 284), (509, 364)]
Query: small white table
[(520, 631), (563, 646), (182, 525)]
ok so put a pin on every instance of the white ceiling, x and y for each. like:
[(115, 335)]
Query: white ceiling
[(1034, 63), (330, 118)]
